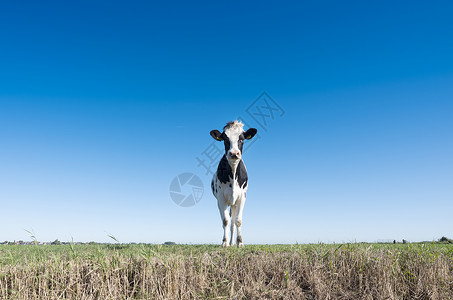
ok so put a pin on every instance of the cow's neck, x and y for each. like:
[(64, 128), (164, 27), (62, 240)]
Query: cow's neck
[(234, 165)]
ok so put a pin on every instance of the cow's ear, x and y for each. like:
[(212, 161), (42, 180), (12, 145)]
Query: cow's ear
[(250, 133), (217, 135)]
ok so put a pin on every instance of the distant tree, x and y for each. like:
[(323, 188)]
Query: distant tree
[(445, 240), (169, 243), (56, 242), (404, 241)]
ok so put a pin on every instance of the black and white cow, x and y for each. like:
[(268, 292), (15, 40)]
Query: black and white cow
[(229, 184)]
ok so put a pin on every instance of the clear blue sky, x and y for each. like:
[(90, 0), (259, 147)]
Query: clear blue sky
[(103, 103)]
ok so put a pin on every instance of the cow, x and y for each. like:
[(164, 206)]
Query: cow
[(229, 184)]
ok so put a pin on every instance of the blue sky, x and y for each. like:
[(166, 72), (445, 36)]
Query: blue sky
[(103, 104)]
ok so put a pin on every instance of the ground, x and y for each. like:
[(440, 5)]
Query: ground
[(314, 271)]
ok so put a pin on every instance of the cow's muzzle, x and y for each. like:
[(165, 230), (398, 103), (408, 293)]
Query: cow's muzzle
[(235, 155)]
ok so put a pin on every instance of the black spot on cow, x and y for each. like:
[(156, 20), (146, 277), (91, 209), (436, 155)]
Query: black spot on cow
[(241, 175), (227, 145), (230, 184), (225, 173)]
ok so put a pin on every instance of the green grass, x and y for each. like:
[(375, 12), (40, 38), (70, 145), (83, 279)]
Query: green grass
[(17, 254), (306, 271)]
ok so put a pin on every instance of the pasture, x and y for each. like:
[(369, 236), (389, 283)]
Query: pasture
[(309, 271)]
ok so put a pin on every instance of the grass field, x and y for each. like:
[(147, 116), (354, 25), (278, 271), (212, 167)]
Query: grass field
[(319, 271)]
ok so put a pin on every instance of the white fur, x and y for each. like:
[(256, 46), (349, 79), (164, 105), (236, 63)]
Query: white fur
[(233, 132)]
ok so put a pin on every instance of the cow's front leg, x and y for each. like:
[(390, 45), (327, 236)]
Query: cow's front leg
[(233, 213), (223, 209), (237, 219)]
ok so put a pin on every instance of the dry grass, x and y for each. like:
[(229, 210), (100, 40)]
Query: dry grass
[(350, 271)]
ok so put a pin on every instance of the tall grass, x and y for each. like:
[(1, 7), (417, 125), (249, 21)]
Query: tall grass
[(349, 271)]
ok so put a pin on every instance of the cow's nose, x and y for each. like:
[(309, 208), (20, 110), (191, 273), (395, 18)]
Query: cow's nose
[(234, 154)]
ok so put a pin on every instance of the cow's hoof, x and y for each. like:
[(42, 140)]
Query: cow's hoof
[(225, 244), (240, 245)]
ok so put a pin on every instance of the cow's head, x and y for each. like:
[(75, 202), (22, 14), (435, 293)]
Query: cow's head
[(233, 136)]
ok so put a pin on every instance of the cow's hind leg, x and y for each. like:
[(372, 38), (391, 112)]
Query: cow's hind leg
[(224, 214)]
